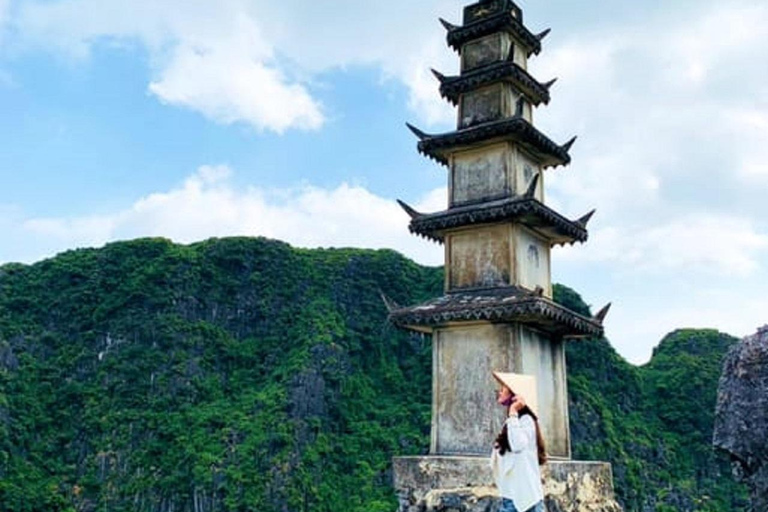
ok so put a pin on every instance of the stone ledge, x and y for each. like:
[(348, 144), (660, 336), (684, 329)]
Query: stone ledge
[(442, 483)]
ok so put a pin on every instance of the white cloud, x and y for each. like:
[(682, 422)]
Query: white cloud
[(752, 126), (423, 86), (721, 34), (208, 205), (228, 89), (434, 201), (645, 126), (252, 61), (404, 39), (211, 58), (672, 118), (633, 325), (697, 243)]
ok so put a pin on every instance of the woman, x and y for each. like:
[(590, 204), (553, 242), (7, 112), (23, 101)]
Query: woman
[(519, 449)]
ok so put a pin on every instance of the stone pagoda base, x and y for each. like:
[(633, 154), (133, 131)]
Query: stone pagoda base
[(464, 484)]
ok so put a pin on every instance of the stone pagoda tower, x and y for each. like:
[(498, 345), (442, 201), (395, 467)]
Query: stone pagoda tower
[(497, 312)]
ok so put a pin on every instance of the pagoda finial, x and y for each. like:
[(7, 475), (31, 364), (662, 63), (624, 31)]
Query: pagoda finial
[(448, 26), (549, 84), (583, 221), (420, 134), (413, 214), (568, 145), (600, 316), (438, 75), (530, 193), (544, 34)]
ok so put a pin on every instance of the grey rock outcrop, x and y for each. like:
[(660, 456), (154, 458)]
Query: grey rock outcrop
[(463, 484), (741, 417)]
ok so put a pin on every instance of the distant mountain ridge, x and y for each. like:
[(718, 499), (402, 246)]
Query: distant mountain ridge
[(244, 374)]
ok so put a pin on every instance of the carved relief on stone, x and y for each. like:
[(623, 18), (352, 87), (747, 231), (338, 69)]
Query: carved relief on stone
[(481, 10), (532, 261)]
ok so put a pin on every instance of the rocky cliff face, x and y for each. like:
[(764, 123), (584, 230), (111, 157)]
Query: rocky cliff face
[(741, 418)]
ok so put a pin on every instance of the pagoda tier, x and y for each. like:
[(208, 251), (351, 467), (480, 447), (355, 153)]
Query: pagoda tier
[(525, 210), (496, 305), (489, 18), (452, 87), (514, 129)]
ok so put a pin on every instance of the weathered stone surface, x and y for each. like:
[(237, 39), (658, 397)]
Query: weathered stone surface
[(482, 105), (498, 256), (480, 52), (465, 416), (579, 487), (741, 417), (532, 260), (463, 484), (480, 258), (481, 175)]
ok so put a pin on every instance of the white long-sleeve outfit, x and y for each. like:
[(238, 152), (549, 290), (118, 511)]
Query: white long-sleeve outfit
[(517, 473)]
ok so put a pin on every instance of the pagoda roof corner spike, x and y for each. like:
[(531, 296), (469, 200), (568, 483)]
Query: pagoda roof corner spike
[(413, 214), (548, 85), (389, 303), (420, 134), (568, 145), (583, 221), (532, 187), (438, 75), (600, 316), (544, 34), (448, 26)]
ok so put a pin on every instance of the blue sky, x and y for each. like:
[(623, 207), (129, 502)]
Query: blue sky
[(191, 119)]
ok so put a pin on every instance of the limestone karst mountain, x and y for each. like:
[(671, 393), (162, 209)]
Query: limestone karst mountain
[(243, 374)]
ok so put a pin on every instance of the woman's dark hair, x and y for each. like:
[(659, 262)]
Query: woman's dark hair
[(502, 440)]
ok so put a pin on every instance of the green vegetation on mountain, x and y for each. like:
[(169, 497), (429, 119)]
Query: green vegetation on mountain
[(243, 374)]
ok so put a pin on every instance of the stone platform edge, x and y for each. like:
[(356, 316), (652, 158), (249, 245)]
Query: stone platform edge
[(568, 485)]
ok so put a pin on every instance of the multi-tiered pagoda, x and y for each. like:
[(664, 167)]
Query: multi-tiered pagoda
[(497, 312)]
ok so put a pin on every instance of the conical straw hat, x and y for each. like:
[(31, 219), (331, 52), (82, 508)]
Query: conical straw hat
[(520, 384)]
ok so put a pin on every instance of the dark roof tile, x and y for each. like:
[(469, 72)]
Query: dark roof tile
[(496, 305), (504, 21), (452, 87), (527, 211), (515, 128)]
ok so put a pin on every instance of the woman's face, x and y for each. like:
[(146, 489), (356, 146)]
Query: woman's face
[(503, 394)]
